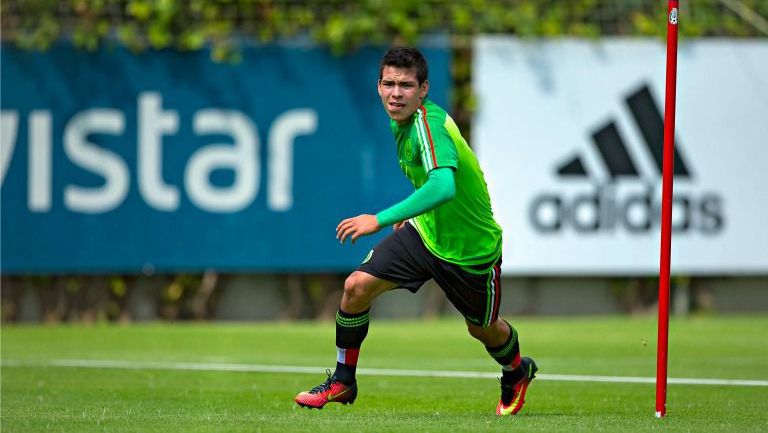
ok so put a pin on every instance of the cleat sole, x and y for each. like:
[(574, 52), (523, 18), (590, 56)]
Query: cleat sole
[(308, 406)]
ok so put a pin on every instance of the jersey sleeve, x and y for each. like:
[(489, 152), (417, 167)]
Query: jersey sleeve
[(439, 188), (436, 147)]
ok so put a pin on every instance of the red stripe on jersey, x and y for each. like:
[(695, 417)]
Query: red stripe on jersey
[(429, 136)]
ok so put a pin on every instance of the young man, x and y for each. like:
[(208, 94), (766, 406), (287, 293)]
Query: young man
[(444, 230)]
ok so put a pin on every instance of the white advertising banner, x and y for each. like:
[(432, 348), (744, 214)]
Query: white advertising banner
[(570, 135)]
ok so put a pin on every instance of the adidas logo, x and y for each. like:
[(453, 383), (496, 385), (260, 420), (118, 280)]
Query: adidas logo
[(606, 208)]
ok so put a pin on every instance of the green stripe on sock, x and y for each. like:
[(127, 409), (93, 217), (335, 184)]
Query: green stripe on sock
[(352, 322), (505, 351)]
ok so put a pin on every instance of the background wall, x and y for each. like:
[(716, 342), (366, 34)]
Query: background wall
[(188, 160)]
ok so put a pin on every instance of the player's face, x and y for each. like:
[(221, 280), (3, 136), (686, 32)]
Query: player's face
[(400, 92)]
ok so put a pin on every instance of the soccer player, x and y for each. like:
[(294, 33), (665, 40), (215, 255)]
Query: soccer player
[(444, 230)]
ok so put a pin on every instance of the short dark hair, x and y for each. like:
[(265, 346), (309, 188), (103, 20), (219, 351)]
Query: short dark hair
[(407, 58)]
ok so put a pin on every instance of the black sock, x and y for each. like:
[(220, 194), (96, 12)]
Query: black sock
[(345, 373), (508, 355), (351, 330), (513, 376)]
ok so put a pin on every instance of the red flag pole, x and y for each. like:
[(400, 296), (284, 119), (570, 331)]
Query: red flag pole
[(666, 210)]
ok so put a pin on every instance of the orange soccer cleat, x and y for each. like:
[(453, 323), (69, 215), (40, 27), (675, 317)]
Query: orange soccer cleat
[(327, 392), (513, 394)]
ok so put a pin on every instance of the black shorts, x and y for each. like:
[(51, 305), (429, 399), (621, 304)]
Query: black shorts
[(402, 258)]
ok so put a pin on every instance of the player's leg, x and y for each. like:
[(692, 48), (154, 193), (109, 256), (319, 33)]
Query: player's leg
[(352, 319), (500, 340), (476, 293), (390, 264)]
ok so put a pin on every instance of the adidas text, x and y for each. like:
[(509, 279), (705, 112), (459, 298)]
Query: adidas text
[(603, 209)]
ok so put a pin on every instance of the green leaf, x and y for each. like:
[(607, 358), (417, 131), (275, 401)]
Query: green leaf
[(192, 40), (159, 35), (139, 9)]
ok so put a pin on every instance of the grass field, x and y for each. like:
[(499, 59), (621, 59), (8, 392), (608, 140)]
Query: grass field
[(41, 395)]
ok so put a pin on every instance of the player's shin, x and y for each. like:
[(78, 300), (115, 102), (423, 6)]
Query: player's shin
[(351, 330), (508, 356)]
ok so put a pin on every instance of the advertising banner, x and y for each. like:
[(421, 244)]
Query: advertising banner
[(167, 161), (570, 134)]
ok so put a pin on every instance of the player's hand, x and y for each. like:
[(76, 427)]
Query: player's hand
[(398, 226), (355, 227)]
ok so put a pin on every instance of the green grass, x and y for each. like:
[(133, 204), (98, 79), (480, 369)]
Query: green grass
[(57, 399)]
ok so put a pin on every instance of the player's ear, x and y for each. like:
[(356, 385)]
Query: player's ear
[(424, 89)]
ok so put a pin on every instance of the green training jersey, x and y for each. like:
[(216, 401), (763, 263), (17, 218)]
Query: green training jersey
[(463, 230)]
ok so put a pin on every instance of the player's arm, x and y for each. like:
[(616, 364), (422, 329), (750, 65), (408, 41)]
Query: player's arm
[(439, 188)]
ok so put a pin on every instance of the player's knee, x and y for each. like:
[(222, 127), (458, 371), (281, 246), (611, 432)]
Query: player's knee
[(355, 287), (478, 332), (492, 335)]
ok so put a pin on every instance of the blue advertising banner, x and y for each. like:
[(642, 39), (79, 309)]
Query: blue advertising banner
[(167, 161)]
